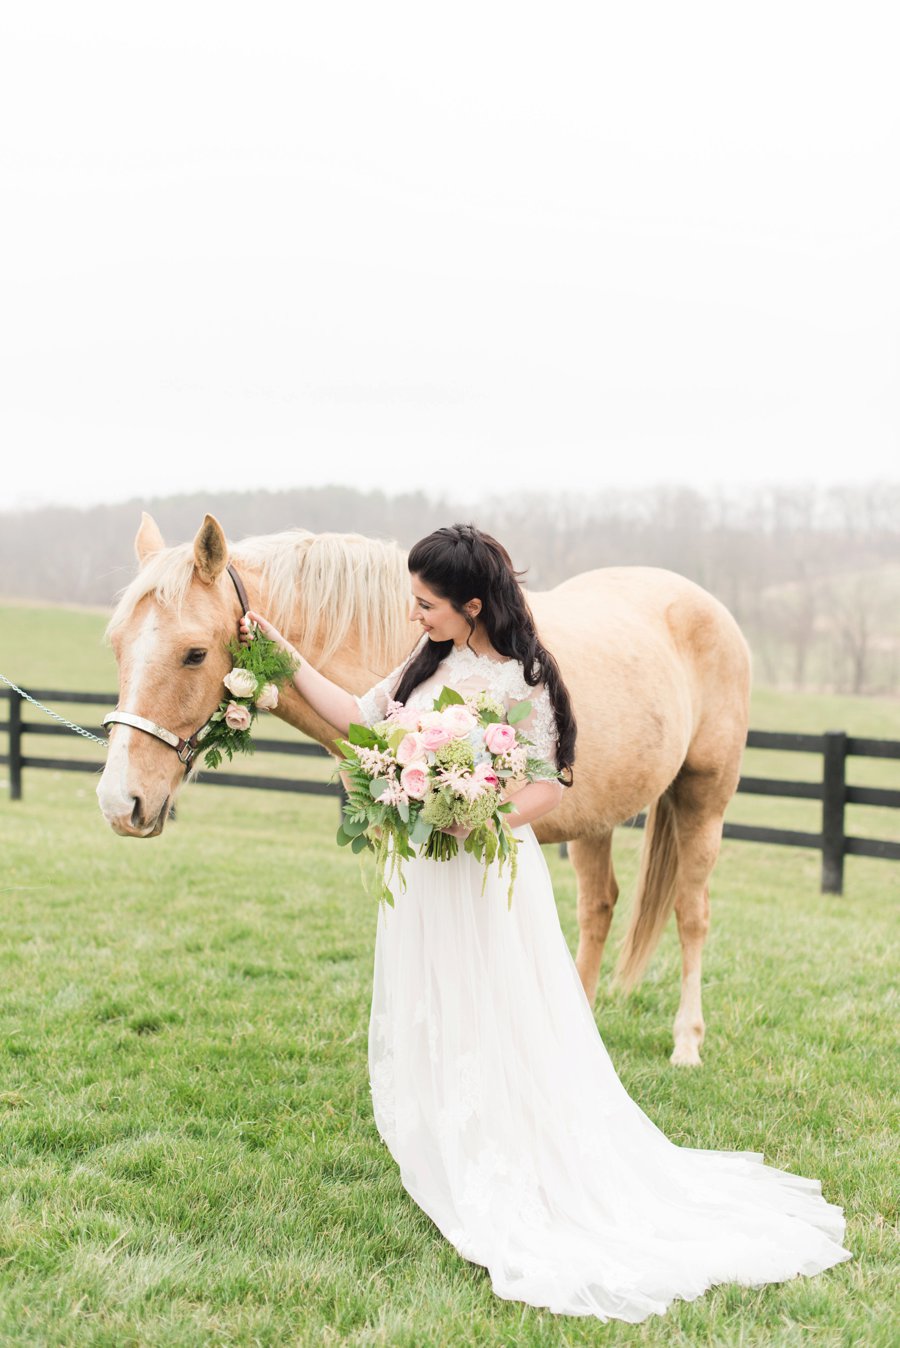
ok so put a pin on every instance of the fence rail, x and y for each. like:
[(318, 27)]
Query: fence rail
[(16, 727), (834, 746)]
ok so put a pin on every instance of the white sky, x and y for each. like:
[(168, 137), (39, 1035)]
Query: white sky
[(490, 245)]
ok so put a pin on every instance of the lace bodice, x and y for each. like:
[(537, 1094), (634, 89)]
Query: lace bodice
[(469, 673)]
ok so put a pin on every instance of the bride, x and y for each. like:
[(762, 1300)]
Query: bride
[(491, 1085)]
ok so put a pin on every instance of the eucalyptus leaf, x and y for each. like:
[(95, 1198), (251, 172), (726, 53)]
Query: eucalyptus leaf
[(354, 827), (421, 830), (519, 712)]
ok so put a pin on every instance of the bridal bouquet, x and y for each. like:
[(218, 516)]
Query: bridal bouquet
[(415, 774)]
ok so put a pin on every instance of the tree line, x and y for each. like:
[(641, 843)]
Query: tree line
[(812, 574)]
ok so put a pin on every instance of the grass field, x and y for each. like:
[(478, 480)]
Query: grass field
[(189, 1155)]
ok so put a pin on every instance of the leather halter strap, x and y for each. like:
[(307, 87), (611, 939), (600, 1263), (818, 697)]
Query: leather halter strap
[(185, 748)]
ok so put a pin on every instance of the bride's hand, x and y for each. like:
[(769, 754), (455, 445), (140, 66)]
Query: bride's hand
[(457, 830), (247, 621)]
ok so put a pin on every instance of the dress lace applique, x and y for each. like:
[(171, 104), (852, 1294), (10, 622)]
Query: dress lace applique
[(498, 1180), (381, 1084)]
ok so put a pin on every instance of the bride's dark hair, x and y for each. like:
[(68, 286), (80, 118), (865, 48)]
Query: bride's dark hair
[(460, 563)]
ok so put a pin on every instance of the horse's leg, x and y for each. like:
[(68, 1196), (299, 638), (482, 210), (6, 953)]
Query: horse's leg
[(699, 803), (597, 894)]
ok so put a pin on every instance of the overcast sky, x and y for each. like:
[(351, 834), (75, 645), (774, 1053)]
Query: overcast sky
[(404, 245)]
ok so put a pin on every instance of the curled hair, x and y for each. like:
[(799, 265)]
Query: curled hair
[(460, 563)]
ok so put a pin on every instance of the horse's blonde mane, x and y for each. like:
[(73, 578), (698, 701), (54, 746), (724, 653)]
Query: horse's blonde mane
[(349, 584), (326, 587)]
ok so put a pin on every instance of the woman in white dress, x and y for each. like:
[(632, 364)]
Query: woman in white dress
[(490, 1082)]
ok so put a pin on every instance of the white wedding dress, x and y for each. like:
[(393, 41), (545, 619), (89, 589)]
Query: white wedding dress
[(495, 1095)]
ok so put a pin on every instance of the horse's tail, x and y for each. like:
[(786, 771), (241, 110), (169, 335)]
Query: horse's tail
[(655, 894)]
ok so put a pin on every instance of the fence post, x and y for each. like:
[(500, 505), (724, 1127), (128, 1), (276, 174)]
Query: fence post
[(834, 792), (15, 746)]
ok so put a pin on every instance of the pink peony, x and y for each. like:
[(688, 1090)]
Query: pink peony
[(485, 774), (410, 747), (414, 780), (499, 737), (435, 737), (458, 720), (237, 717), (430, 719)]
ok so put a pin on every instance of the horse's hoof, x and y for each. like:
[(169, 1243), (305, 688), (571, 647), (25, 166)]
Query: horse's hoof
[(686, 1055)]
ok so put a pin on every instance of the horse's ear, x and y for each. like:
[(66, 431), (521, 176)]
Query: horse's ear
[(210, 550), (148, 539)]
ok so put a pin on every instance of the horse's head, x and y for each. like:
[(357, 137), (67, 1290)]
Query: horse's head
[(170, 635)]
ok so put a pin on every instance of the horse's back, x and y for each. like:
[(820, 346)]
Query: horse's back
[(639, 606), (649, 658)]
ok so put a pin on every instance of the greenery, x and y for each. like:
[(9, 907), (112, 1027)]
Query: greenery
[(189, 1154), (270, 665)]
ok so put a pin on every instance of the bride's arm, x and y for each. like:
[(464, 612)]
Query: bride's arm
[(333, 703), (533, 800), (529, 803)]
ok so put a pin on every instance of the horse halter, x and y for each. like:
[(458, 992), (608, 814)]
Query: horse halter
[(184, 748)]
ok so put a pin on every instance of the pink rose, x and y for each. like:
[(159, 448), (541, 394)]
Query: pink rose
[(485, 774), (410, 747), (499, 737), (268, 697), (237, 717), (430, 719), (435, 738), (458, 720), (414, 780)]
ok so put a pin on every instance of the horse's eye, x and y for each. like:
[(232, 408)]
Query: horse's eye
[(194, 657)]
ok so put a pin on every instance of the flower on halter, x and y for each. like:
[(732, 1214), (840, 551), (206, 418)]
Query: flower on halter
[(268, 697), (237, 717), (240, 682), (258, 672)]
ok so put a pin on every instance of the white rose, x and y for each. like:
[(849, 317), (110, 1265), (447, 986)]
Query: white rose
[(240, 682), (458, 720), (268, 697)]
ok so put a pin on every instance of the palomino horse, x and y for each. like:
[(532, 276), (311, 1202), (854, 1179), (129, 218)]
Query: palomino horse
[(658, 671)]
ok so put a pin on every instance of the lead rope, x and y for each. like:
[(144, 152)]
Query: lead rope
[(70, 725)]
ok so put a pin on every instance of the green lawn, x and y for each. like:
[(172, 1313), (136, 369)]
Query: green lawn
[(189, 1155)]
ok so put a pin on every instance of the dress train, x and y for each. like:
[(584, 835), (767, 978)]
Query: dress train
[(494, 1092)]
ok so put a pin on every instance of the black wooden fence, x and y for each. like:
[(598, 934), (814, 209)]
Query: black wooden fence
[(835, 793), (17, 727)]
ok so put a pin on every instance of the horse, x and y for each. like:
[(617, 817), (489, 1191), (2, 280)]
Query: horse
[(658, 671)]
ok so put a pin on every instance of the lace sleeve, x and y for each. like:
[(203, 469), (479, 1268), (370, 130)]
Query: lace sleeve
[(373, 705), (540, 724)]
